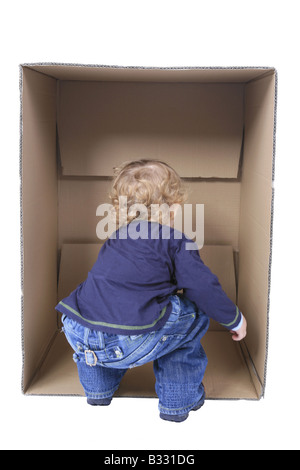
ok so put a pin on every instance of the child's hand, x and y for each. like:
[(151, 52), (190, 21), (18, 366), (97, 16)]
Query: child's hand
[(241, 333)]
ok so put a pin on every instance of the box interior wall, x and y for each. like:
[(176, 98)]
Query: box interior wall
[(216, 128)]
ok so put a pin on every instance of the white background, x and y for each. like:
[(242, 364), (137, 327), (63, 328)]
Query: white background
[(155, 33)]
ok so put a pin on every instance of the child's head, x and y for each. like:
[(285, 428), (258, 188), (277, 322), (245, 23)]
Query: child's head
[(147, 182)]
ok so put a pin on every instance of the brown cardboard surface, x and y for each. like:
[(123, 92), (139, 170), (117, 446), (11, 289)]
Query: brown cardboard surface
[(76, 261), (221, 262), (219, 259), (102, 124), (39, 217), (221, 201)]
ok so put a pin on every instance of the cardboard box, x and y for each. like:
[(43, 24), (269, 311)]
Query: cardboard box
[(216, 127)]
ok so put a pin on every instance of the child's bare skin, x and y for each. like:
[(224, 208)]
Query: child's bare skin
[(241, 333)]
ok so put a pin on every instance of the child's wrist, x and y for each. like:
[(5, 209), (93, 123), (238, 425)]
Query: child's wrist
[(239, 326)]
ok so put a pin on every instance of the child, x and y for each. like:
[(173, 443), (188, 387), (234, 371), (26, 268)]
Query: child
[(128, 310)]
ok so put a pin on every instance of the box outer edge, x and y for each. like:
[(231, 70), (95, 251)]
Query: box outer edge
[(21, 66), (136, 67), (266, 69), (21, 220)]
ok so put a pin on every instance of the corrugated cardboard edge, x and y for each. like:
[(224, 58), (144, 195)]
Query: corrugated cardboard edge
[(21, 220), (271, 231), (267, 68)]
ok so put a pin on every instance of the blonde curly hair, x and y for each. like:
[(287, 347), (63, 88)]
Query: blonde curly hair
[(149, 182)]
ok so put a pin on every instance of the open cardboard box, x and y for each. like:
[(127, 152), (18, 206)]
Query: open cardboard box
[(216, 127)]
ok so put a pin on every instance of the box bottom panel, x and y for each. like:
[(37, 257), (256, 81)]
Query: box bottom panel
[(227, 375)]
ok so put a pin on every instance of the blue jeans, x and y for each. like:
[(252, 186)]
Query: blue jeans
[(178, 358)]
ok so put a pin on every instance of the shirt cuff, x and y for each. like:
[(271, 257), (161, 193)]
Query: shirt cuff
[(239, 326)]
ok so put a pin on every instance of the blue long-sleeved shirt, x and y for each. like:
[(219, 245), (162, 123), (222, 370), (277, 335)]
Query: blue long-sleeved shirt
[(127, 290)]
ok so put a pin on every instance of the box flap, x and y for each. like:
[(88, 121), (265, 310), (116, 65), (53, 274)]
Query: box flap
[(196, 128)]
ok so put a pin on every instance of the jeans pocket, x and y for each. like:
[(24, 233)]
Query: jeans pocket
[(182, 325), (163, 346)]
